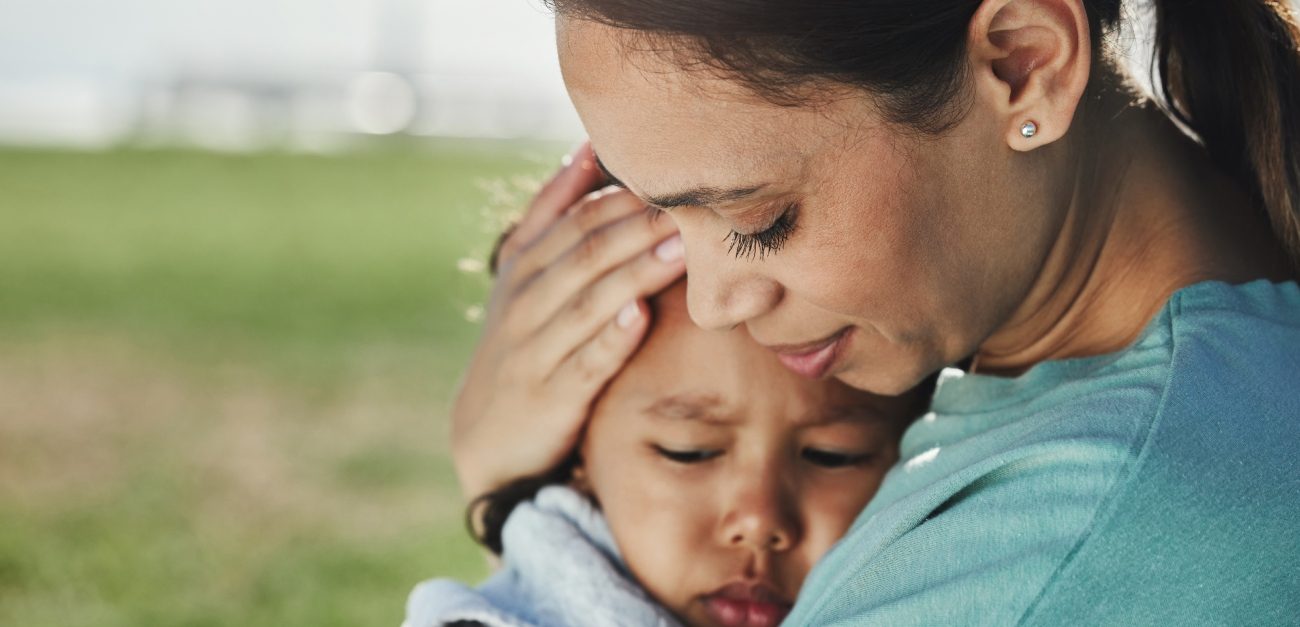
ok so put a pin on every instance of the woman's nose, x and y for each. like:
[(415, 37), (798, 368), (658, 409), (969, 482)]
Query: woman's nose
[(762, 518), (722, 293)]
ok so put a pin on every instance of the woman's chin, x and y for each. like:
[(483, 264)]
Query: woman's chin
[(878, 380)]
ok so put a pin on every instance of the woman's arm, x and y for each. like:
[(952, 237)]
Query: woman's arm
[(563, 317)]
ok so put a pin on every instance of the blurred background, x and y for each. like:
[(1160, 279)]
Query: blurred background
[(240, 247)]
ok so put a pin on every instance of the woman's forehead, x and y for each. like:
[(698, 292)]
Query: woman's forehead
[(641, 109), (657, 148), (604, 59)]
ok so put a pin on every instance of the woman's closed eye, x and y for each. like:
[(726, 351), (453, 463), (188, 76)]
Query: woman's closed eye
[(761, 244), (833, 459), (767, 241), (687, 455)]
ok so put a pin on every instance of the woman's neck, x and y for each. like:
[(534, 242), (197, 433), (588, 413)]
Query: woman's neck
[(1165, 219)]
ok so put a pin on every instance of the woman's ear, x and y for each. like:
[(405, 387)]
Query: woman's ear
[(1030, 61)]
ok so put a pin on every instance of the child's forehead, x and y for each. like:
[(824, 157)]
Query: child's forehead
[(683, 370), (670, 308), (676, 350)]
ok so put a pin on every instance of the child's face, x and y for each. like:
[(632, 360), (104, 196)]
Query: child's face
[(723, 475)]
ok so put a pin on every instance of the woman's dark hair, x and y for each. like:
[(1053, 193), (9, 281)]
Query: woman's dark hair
[(1229, 70)]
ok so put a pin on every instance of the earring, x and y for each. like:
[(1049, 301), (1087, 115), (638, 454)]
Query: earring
[(1029, 129)]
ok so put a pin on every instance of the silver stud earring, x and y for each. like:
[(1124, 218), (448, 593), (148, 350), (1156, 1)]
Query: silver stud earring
[(1029, 129)]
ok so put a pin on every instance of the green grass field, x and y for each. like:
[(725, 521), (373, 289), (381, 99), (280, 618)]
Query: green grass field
[(223, 379)]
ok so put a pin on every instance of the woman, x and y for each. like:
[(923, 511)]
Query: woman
[(881, 189)]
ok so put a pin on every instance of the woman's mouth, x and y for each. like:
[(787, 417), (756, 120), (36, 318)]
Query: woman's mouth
[(814, 359), (746, 605)]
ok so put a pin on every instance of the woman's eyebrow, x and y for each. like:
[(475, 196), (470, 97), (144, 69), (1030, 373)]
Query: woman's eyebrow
[(697, 197)]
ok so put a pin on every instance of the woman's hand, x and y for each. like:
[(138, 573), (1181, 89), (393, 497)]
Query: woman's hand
[(564, 316)]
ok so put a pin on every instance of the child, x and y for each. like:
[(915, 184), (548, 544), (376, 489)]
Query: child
[(709, 481)]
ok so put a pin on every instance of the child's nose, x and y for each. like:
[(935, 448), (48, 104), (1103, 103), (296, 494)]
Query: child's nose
[(754, 534), (762, 517)]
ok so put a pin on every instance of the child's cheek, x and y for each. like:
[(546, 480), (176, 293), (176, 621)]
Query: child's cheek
[(663, 522)]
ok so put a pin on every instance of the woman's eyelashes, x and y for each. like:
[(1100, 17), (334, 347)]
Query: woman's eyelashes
[(766, 242), (754, 245)]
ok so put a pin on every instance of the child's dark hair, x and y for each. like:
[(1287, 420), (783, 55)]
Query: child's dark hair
[(487, 514)]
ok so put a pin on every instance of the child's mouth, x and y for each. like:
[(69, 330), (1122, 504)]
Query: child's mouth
[(746, 605)]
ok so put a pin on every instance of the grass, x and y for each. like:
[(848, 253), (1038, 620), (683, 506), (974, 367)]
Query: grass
[(223, 380)]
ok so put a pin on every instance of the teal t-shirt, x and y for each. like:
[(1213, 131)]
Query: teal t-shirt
[(1159, 485)]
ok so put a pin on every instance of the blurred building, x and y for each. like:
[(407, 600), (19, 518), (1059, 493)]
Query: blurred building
[(314, 75)]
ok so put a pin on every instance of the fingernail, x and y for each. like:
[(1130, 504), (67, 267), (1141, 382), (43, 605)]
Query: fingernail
[(627, 315), (573, 154), (670, 249)]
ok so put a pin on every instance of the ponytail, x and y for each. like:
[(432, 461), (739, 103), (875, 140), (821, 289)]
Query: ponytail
[(1230, 71)]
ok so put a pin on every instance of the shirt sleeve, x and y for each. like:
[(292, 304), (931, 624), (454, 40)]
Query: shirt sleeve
[(980, 556)]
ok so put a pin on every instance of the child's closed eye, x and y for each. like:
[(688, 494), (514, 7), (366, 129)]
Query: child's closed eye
[(833, 459), (686, 456)]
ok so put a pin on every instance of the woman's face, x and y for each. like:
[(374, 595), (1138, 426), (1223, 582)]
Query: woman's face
[(725, 476), (851, 247)]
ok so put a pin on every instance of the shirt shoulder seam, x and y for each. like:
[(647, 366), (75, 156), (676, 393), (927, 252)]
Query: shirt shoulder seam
[(1127, 473)]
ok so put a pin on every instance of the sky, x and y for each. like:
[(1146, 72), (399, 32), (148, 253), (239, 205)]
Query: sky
[(133, 36)]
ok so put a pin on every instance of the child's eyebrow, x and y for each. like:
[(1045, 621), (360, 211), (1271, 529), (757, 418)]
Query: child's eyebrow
[(847, 413), (710, 409), (702, 407)]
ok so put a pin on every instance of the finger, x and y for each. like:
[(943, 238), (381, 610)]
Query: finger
[(577, 177), (591, 367), (597, 254), (584, 315), (595, 211)]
